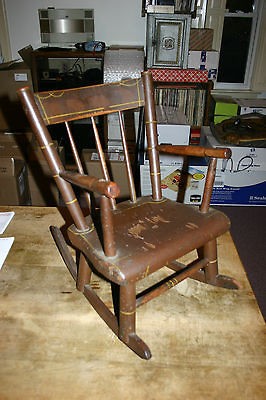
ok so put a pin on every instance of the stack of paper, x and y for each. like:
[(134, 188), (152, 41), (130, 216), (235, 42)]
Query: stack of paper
[(5, 242)]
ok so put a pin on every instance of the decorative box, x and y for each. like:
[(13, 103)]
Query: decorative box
[(167, 40), (179, 75)]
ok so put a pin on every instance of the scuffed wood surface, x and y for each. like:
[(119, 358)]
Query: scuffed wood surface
[(207, 343)]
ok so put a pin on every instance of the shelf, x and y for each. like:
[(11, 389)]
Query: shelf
[(193, 99), (40, 62)]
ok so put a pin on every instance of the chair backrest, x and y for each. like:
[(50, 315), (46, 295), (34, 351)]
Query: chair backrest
[(66, 105)]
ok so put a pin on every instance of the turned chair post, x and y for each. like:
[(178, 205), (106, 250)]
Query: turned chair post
[(127, 311), (84, 272), (107, 227), (207, 193)]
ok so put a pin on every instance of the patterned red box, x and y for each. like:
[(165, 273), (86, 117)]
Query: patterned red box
[(179, 75)]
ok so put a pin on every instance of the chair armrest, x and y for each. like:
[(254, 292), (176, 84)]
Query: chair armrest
[(199, 151), (196, 151), (107, 188)]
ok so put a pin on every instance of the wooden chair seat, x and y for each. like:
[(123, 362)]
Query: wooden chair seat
[(143, 228)]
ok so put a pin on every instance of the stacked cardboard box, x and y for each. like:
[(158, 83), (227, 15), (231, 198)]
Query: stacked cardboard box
[(201, 39), (13, 182), (113, 134), (22, 160), (181, 181), (13, 169), (205, 60), (13, 75), (43, 189), (248, 106), (172, 129), (201, 54), (115, 164), (223, 107), (241, 180)]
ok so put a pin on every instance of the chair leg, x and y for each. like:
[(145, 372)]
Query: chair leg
[(127, 322), (84, 273), (211, 272)]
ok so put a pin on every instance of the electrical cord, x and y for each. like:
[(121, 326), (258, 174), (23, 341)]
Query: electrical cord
[(238, 168)]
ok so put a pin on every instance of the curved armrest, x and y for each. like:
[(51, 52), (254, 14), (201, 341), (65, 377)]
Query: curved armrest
[(107, 188), (197, 151)]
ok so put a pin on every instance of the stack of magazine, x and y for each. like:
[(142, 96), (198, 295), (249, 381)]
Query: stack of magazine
[(5, 242)]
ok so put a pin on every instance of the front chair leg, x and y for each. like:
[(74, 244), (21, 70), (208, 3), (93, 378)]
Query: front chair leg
[(127, 321), (84, 273)]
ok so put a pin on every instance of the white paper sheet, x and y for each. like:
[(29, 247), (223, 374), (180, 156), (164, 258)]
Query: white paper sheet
[(5, 246), (5, 218)]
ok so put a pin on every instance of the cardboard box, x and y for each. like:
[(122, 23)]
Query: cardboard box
[(223, 107), (243, 188), (200, 39), (13, 182), (230, 188), (115, 164), (251, 106), (242, 159), (179, 183), (113, 135), (172, 129), (43, 189), (15, 144), (241, 180), (204, 60), (13, 75)]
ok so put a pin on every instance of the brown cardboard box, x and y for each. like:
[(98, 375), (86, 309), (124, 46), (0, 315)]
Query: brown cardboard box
[(13, 182), (12, 77), (15, 145), (42, 186), (201, 39), (113, 133), (116, 167), (22, 146)]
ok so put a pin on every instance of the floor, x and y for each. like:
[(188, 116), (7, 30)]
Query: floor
[(248, 229)]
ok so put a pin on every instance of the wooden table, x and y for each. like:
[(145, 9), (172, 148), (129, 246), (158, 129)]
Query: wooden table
[(207, 343)]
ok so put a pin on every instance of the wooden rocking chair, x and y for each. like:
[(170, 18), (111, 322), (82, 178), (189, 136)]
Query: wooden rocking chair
[(134, 238)]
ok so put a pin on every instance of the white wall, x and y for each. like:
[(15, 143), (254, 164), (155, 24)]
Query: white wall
[(116, 21)]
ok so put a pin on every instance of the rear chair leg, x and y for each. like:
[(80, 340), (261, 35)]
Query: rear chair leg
[(211, 272), (127, 322)]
